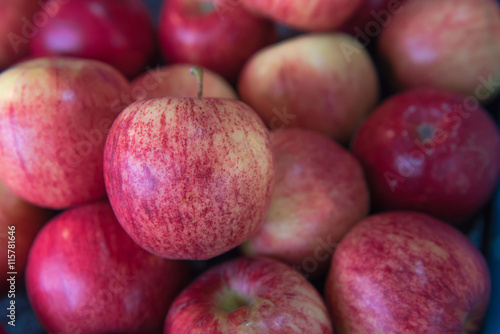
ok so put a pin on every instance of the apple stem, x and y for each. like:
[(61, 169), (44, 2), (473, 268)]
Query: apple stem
[(198, 74)]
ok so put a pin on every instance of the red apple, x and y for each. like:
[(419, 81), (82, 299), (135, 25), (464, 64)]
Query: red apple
[(189, 178), (15, 16), (322, 82), (176, 81), (85, 275), (311, 15), (404, 272), (117, 32), (370, 18), (23, 221), (459, 53), (249, 295), (212, 33), (430, 150), (320, 193), (54, 117)]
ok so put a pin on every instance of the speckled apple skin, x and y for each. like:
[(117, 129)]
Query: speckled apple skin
[(176, 80), (406, 272), (13, 44), (189, 178), (85, 275), (320, 193), (47, 109), (449, 44), (450, 175), (322, 82), (280, 301), (311, 15)]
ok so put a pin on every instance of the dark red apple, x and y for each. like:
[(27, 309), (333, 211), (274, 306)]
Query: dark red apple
[(216, 34), (430, 150), (176, 81), (311, 15), (370, 18), (85, 275), (117, 32), (321, 82), (320, 193), (452, 44), (406, 272), (15, 16), (189, 178), (23, 221), (55, 114), (249, 295)]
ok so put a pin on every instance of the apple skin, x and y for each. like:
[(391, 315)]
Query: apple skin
[(459, 53), (361, 19), (28, 220), (189, 178), (176, 81), (85, 275), (309, 82), (320, 193), (249, 295), (11, 29), (118, 32), (406, 272), (312, 15), (221, 38), (55, 114), (430, 150)]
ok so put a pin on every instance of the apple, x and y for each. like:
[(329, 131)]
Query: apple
[(85, 275), (176, 81), (313, 15), (370, 18), (55, 114), (118, 32), (320, 193), (212, 33), (249, 295), (322, 82), (189, 178), (13, 33), (460, 53), (430, 150), (23, 220), (406, 272)]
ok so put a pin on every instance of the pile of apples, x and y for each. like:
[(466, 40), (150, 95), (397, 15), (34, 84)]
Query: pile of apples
[(256, 183)]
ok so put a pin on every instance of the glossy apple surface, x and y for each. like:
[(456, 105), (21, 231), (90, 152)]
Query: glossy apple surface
[(249, 295), (177, 81), (86, 275), (322, 82), (189, 178), (406, 272), (460, 53), (14, 36), (312, 15), (27, 220), (216, 34), (430, 150), (117, 32), (320, 193), (55, 114)]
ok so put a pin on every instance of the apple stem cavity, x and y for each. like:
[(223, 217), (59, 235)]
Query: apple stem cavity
[(230, 301), (425, 131), (207, 7), (198, 74)]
